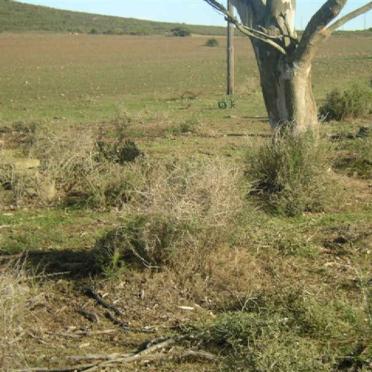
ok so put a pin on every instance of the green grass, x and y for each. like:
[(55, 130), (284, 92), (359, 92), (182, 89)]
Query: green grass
[(47, 230)]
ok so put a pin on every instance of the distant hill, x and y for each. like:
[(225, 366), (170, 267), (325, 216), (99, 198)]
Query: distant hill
[(18, 17)]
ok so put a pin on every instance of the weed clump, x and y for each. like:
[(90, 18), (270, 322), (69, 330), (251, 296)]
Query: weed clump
[(119, 152), (143, 240), (250, 341), (289, 175), (284, 331), (357, 161), (178, 209), (352, 103), (79, 170), (212, 43), (181, 32), (186, 127), (15, 295)]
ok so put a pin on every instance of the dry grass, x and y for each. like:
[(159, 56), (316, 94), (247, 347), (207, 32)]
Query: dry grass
[(291, 175), (194, 189), (15, 294), (178, 211)]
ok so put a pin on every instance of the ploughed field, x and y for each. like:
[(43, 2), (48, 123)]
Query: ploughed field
[(118, 142)]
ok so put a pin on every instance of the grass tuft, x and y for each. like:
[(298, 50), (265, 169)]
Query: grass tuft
[(353, 102), (143, 240), (15, 295), (260, 343), (289, 175)]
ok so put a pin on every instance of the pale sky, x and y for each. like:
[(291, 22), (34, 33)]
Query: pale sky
[(188, 11)]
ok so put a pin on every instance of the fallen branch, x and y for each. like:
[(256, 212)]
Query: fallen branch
[(125, 327), (151, 351), (9, 256), (83, 367), (78, 358), (122, 359), (93, 294), (80, 334), (92, 317)]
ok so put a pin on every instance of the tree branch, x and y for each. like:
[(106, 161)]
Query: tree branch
[(316, 30), (348, 17), (248, 31)]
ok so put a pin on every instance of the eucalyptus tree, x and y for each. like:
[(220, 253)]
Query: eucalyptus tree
[(284, 58)]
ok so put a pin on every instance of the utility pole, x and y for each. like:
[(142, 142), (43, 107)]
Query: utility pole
[(230, 53)]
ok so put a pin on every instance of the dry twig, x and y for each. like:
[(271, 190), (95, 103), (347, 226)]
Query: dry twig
[(125, 327), (93, 294), (151, 352)]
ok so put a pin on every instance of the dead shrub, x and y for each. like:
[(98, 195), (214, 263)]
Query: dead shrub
[(204, 190), (84, 171), (20, 186), (180, 211)]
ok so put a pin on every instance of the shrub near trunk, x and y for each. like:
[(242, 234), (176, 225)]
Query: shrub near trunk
[(289, 175)]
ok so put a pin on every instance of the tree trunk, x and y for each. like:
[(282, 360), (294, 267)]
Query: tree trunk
[(286, 89), (284, 61)]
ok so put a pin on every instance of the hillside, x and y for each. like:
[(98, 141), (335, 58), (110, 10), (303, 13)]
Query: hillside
[(18, 17)]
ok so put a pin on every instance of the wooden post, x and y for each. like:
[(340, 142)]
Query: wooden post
[(230, 53)]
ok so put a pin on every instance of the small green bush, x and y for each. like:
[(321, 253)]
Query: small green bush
[(289, 329), (144, 240), (260, 342), (120, 152), (186, 127), (357, 161), (115, 31), (289, 175), (107, 185), (180, 31), (352, 103), (212, 43)]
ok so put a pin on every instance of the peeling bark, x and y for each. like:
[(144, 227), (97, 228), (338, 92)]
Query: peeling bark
[(286, 84), (287, 90)]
